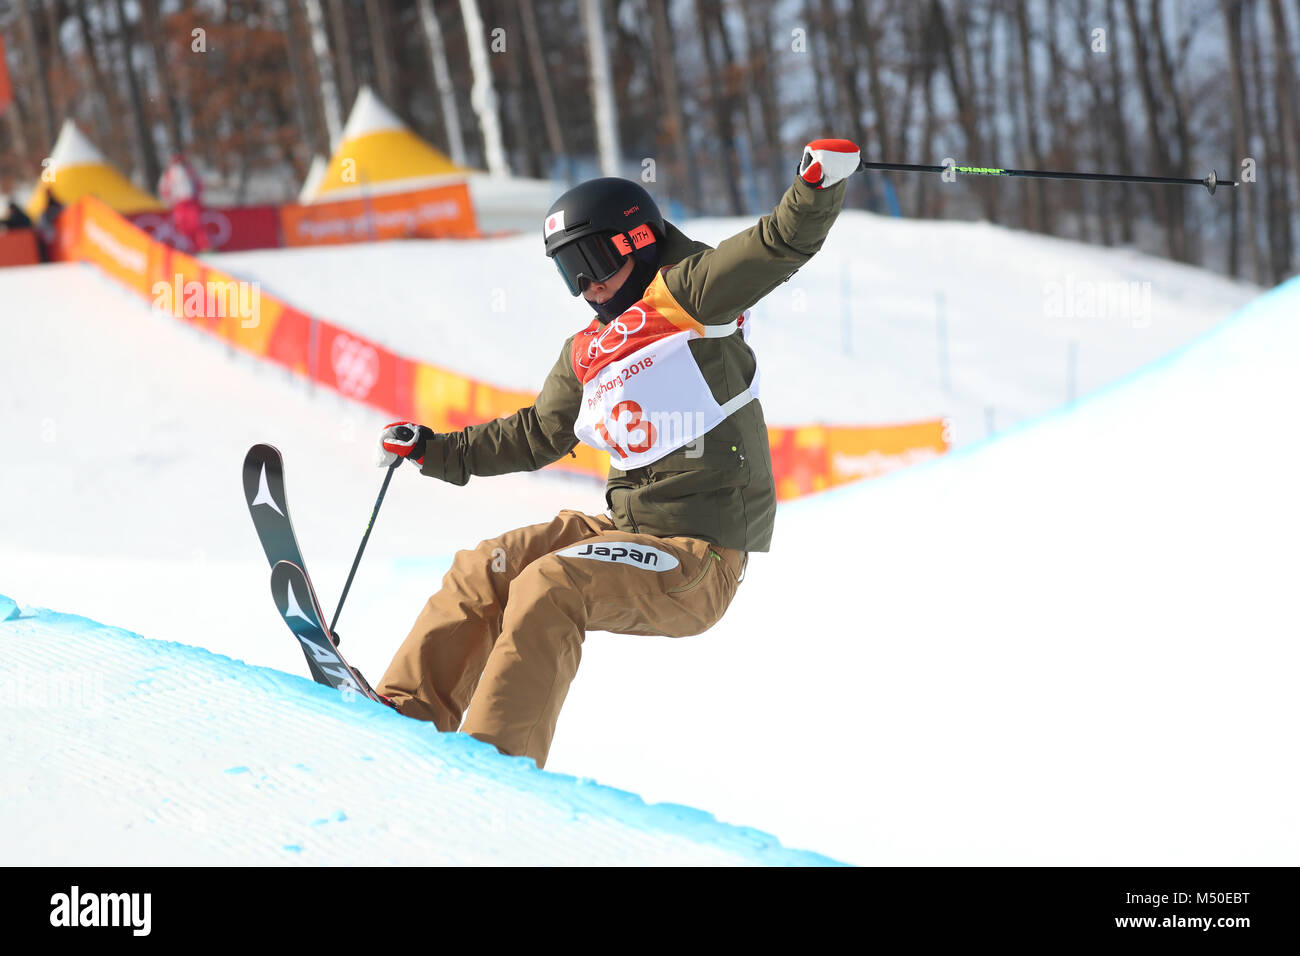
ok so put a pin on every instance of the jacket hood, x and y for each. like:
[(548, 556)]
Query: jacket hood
[(678, 245)]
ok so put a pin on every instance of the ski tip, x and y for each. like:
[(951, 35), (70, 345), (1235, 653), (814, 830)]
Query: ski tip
[(284, 567)]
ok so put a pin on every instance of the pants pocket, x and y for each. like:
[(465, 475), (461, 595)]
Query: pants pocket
[(710, 563)]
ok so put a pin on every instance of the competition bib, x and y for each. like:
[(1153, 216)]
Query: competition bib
[(643, 394)]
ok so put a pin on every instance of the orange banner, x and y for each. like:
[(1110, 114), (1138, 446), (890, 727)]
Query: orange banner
[(813, 458), (438, 213), (871, 451), (18, 248), (356, 367), (103, 237)]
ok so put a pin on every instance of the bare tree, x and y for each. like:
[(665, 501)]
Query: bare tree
[(1288, 98), (866, 34), (733, 102), (986, 106), (521, 121), (929, 66), (329, 91), (109, 133), (343, 52), (483, 96), (1273, 178), (720, 105), (841, 117), (36, 72), (1096, 123), (1040, 220), (769, 155), (1243, 196), (604, 109), (153, 28), (442, 80), (1144, 60), (147, 151), (1118, 126), (381, 51), (1182, 136), (541, 79), (282, 12), (673, 122), (962, 86), (815, 39)]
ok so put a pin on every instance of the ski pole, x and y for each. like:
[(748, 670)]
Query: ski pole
[(388, 476), (1209, 182)]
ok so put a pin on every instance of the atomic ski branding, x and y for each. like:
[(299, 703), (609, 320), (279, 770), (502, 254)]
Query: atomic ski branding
[(294, 609), (264, 496), (302, 614)]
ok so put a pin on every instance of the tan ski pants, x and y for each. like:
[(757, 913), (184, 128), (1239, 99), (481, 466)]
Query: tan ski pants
[(503, 637)]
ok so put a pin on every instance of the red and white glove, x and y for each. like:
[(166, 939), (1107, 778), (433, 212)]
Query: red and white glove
[(826, 162), (402, 440)]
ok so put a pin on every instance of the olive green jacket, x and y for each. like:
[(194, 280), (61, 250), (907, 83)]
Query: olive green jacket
[(719, 488)]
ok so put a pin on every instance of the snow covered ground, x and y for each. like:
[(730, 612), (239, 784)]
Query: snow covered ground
[(1073, 644), (1068, 645), (149, 752)]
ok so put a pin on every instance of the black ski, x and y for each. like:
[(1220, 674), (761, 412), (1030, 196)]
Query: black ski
[(296, 601), (264, 493), (269, 506)]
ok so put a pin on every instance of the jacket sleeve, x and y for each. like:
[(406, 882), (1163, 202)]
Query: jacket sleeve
[(531, 438), (717, 285)]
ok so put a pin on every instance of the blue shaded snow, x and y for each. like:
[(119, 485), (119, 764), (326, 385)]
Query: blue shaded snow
[(189, 686)]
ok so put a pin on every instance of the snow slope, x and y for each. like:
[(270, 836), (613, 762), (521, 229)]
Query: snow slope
[(120, 750), (1013, 303), (1073, 644), (1013, 655)]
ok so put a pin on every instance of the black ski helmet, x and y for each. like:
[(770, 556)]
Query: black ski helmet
[(592, 229)]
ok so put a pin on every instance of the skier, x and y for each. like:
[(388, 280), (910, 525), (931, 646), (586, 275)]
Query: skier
[(182, 191), (664, 381)]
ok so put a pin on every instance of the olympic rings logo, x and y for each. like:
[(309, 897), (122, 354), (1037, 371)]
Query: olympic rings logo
[(356, 366), (605, 342)]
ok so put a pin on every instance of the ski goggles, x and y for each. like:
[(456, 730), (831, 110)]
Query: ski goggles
[(596, 257), (589, 259)]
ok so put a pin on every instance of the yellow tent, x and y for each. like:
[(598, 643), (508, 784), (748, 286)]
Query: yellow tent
[(379, 153), (78, 169)]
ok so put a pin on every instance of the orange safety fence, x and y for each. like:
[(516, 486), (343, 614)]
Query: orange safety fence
[(18, 247), (805, 459)]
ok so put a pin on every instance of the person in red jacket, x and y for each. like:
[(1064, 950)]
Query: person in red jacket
[(181, 190)]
